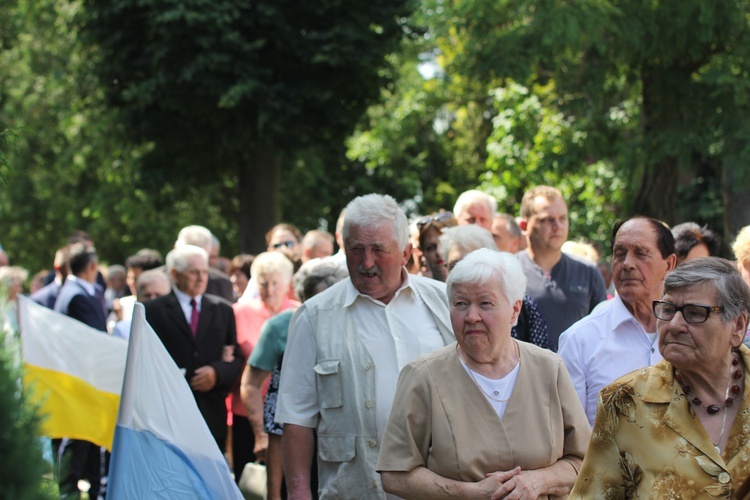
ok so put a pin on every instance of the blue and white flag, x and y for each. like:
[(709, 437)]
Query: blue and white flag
[(162, 446)]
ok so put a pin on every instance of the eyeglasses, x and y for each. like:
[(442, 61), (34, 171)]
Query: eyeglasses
[(439, 217), (692, 313), (288, 244)]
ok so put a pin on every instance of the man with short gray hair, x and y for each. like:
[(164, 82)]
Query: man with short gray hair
[(475, 207), (218, 282), (506, 233), (198, 331), (150, 285), (346, 348)]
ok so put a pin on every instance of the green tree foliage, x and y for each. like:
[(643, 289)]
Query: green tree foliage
[(657, 92), (20, 446), (533, 141), (71, 166), (236, 89)]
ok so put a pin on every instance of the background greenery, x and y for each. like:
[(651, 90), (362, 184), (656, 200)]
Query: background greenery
[(130, 119)]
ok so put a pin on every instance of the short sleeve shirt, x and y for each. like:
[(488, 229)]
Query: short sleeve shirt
[(567, 294)]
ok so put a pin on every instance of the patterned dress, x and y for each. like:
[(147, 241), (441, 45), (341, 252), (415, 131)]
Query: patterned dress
[(648, 443), (269, 407), (531, 326)]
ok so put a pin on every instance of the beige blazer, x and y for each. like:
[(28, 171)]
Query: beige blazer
[(441, 420)]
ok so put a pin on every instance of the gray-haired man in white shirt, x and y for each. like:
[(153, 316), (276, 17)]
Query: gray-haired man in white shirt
[(346, 348)]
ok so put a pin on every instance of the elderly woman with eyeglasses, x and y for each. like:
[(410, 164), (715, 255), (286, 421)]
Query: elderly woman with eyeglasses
[(487, 416), (680, 428)]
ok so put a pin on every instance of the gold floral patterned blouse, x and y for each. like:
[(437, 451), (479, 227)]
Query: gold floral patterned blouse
[(648, 443)]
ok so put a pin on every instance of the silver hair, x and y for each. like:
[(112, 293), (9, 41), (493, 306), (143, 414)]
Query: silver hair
[(13, 275), (178, 258), (473, 197), (731, 290), (467, 238), (215, 243), (115, 270), (195, 235), (272, 262), (376, 210), (480, 266), (151, 276), (315, 272), (510, 224)]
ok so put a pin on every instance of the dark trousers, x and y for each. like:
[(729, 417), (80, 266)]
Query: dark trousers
[(82, 460), (243, 442)]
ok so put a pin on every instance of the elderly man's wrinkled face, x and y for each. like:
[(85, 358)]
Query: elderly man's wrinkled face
[(193, 279), (638, 269), (482, 318), (548, 227), (477, 213), (504, 239), (691, 347), (375, 260)]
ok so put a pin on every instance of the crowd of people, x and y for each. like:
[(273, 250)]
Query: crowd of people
[(467, 353)]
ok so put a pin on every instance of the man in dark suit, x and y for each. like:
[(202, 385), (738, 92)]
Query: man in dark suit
[(198, 331), (82, 298), (47, 295)]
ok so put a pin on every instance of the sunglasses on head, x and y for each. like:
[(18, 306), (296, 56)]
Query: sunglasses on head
[(439, 217)]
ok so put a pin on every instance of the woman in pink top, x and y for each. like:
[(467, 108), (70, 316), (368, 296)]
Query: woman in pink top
[(273, 273)]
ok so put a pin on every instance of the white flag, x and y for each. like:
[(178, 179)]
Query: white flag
[(162, 447)]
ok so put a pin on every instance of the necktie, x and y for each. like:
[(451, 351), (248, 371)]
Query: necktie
[(193, 316)]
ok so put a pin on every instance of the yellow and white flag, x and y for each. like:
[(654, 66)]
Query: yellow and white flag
[(74, 371)]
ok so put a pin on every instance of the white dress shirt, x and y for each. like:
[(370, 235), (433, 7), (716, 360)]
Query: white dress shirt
[(604, 346), (184, 300)]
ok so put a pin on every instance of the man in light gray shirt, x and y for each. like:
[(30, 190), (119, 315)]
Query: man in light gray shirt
[(346, 348)]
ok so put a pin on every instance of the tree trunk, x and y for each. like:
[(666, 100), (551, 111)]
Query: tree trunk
[(658, 191), (260, 207), (736, 196)]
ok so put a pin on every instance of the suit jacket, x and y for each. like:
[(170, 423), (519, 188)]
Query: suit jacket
[(648, 443), (74, 301), (216, 329), (219, 284), (47, 295)]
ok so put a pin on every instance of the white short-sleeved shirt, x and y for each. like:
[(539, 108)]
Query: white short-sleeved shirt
[(604, 346)]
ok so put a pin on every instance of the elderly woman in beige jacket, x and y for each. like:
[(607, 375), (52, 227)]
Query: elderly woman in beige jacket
[(486, 417)]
